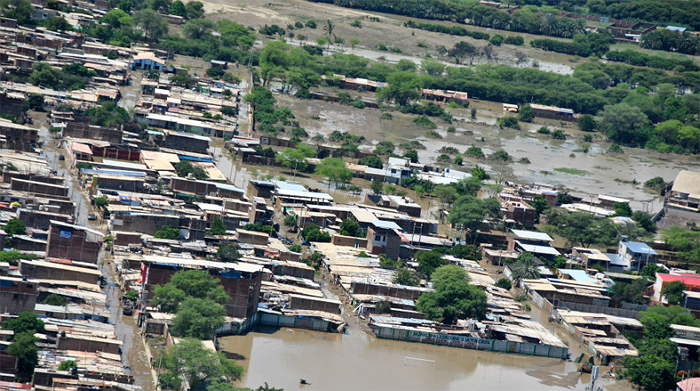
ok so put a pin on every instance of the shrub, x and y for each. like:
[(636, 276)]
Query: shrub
[(543, 130), (558, 135), (508, 122), (424, 121)]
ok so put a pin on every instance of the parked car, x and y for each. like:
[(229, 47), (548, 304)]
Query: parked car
[(91, 216), (61, 157)]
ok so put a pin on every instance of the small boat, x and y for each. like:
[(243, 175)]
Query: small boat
[(303, 382), (128, 308)]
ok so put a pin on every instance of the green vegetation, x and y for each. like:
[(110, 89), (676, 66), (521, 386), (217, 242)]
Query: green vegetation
[(524, 268), (185, 168), (67, 365), (186, 284), (198, 318), (13, 256), (508, 122), (267, 118), (313, 233), (571, 171), (504, 283), (54, 299), (15, 227), (583, 45), (428, 262), (453, 297), (656, 183), (201, 367), (350, 227), (132, 295), (70, 77), (218, 227), (295, 158), (654, 369), (228, 253), (451, 30), (334, 171), (167, 232), (406, 276)]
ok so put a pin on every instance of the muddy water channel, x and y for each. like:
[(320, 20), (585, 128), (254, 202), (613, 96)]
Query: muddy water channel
[(357, 360)]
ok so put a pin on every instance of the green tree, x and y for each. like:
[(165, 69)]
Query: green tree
[(67, 365), (54, 299), (525, 268), (622, 209), (167, 232), (353, 41), (405, 276), (650, 269), (228, 253), (100, 202), (188, 283), (428, 261), (132, 295), (623, 123), (432, 67), (197, 29), (334, 171), (674, 291), (185, 168), (178, 8), (198, 318), (630, 292), (313, 233), (35, 102), (25, 322), (349, 227), (685, 243), (403, 86), (295, 158), (218, 227), (191, 360), (526, 114), (372, 161), (195, 9), (15, 227), (24, 348), (151, 24), (17, 9), (412, 155), (651, 372), (377, 186), (453, 297), (468, 212), (446, 194), (504, 283), (587, 123)]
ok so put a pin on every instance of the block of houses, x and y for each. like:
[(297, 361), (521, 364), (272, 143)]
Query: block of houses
[(535, 243), (634, 255), (73, 242), (691, 281)]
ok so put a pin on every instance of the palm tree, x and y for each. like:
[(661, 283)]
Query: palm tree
[(328, 28), (524, 268)]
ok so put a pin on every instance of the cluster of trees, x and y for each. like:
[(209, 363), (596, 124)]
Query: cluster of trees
[(185, 168), (451, 30), (523, 20), (686, 243), (640, 59), (201, 367), (70, 77), (198, 301), (657, 11), (334, 171), (452, 297), (583, 229), (313, 233), (267, 118), (582, 45), (23, 345), (655, 368)]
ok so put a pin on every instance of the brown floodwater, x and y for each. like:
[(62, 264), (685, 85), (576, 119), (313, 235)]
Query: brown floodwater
[(357, 360)]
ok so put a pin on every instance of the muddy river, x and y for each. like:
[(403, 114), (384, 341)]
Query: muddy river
[(357, 360)]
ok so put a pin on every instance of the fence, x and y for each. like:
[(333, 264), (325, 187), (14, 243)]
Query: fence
[(460, 341), (260, 318)]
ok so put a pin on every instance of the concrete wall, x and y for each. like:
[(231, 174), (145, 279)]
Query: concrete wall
[(76, 247), (86, 345), (8, 175), (464, 342), (41, 219), (310, 303), (363, 288), (40, 272), (38, 187), (17, 296), (349, 241), (81, 127)]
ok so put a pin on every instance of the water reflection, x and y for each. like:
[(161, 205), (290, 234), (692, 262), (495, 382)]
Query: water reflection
[(357, 360)]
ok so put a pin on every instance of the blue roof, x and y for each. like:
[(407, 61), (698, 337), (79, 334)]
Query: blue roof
[(229, 187), (296, 186), (640, 248), (615, 259), (578, 275), (386, 224), (195, 159)]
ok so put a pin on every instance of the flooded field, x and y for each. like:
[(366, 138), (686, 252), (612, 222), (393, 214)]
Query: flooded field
[(358, 361)]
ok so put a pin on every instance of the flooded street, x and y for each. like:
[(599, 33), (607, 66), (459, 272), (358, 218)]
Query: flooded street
[(357, 360), (133, 352)]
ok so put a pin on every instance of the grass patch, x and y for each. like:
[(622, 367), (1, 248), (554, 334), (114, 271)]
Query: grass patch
[(572, 171)]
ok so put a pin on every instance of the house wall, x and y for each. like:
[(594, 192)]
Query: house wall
[(17, 296), (38, 187), (76, 247), (310, 303), (40, 272)]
